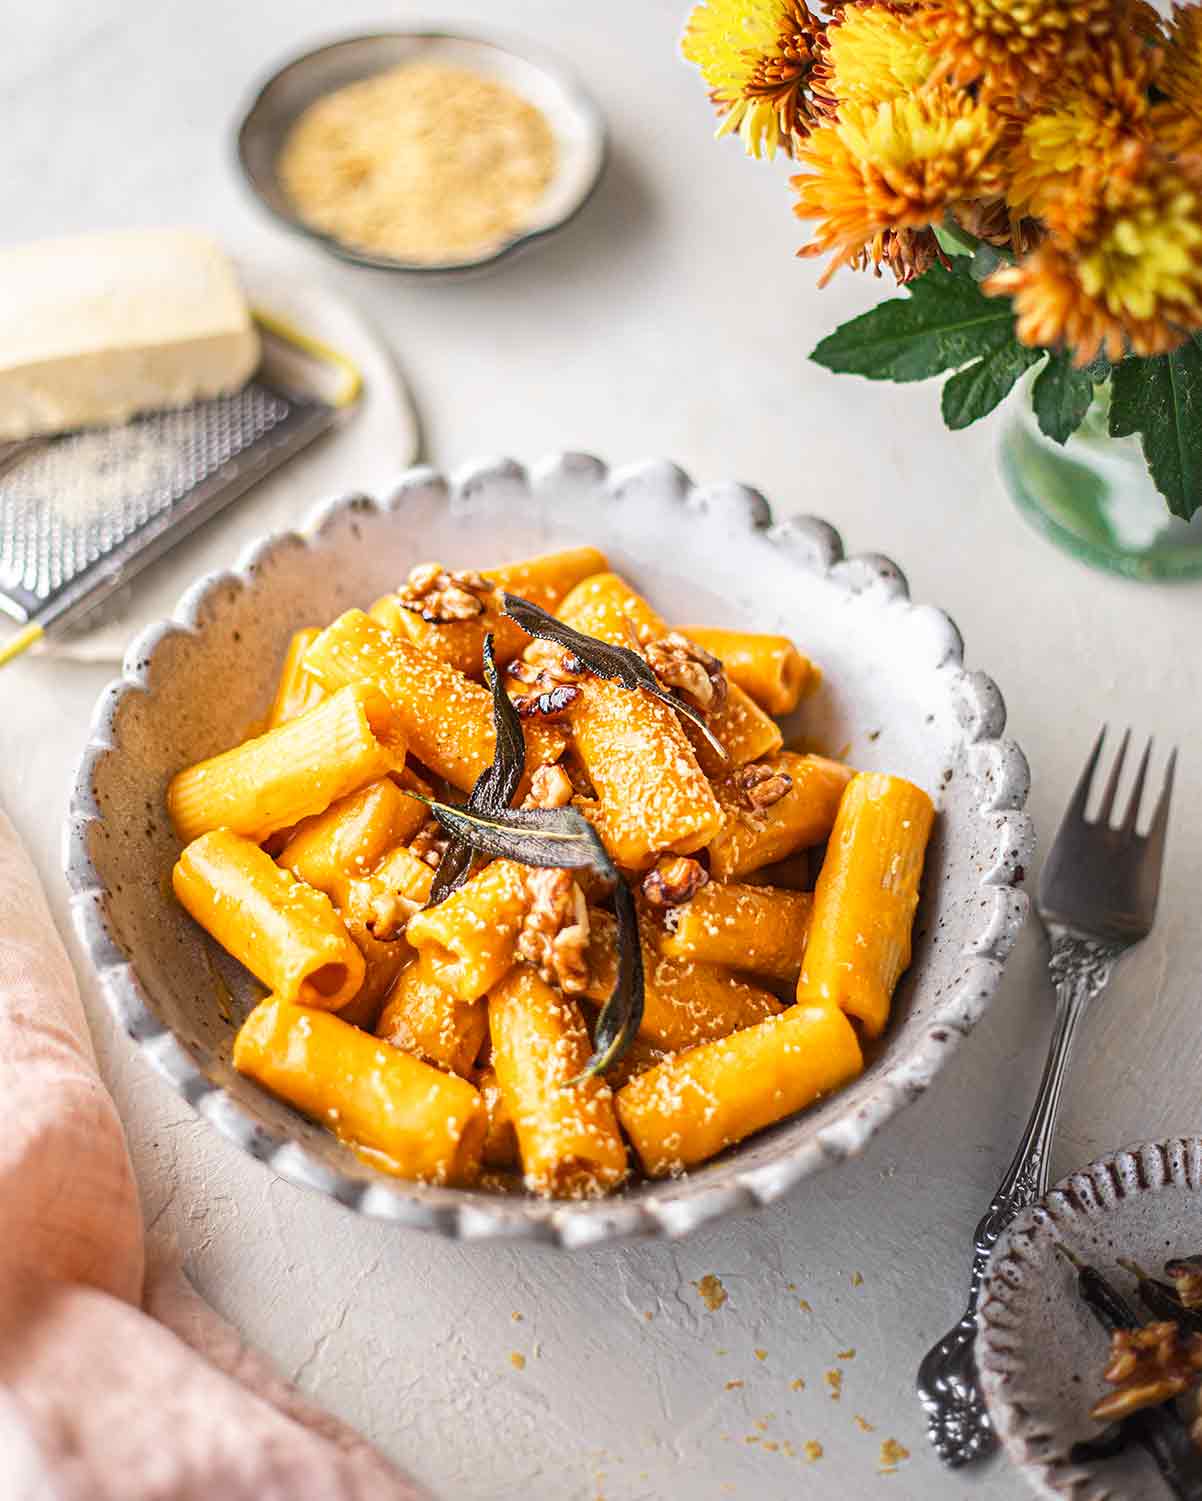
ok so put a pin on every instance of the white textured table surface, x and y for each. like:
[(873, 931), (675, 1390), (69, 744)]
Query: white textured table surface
[(671, 318)]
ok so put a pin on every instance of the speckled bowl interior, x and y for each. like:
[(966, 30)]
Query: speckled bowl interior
[(895, 696)]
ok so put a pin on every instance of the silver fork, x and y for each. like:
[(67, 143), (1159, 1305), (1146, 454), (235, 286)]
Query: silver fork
[(1097, 897)]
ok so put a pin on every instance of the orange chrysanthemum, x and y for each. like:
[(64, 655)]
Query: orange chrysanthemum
[(1017, 44), (1086, 123), (1179, 118), (900, 164), (757, 57), (872, 51), (1122, 269)]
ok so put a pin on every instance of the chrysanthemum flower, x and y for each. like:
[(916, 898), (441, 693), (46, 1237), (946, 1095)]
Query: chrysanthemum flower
[(757, 57), (900, 164), (907, 253), (1122, 270), (871, 52), (1179, 118), (1089, 118), (1008, 44)]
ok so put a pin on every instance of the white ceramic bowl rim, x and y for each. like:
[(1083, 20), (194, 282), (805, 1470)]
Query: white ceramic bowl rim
[(995, 796)]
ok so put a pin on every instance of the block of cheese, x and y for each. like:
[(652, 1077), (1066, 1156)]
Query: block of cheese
[(96, 328)]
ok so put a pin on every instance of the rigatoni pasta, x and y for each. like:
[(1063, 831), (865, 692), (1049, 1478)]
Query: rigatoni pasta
[(866, 897), (696, 1104), (454, 984), (770, 811), (424, 1018), (292, 772), (607, 607), (469, 942), (684, 1001), (431, 619), (769, 669), (297, 690), (283, 931), (415, 1121), (567, 1131), (759, 929), (446, 717)]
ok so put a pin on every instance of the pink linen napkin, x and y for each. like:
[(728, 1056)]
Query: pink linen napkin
[(117, 1382)]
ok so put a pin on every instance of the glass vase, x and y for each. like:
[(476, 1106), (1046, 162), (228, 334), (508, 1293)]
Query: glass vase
[(1093, 495)]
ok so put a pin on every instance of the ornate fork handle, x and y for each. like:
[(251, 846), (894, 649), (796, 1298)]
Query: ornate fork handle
[(957, 1422)]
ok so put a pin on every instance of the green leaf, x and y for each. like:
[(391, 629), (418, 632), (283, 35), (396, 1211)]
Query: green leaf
[(944, 322), (563, 838), (494, 787), (1161, 400), (953, 240), (977, 389), (616, 663), (1061, 397)]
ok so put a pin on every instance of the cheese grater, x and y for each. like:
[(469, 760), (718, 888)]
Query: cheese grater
[(82, 513)]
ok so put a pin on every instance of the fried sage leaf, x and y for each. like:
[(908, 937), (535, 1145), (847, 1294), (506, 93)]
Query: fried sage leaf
[(563, 838), (495, 786), (619, 664)]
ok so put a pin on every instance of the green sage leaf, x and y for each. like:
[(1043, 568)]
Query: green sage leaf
[(1161, 399), (622, 1013), (618, 664), (494, 787), (1061, 396), (563, 838)]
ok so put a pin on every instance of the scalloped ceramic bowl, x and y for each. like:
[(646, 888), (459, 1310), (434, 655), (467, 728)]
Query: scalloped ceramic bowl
[(895, 696), (1040, 1351)]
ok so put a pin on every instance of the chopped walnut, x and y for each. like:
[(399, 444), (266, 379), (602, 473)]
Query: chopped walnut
[(554, 934), (1186, 1272), (383, 911), (1148, 1366), (674, 881), (430, 843), (439, 596), (550, 787), (549, 704), (761, 786), (545, 665), (681, 664), (553, 675)]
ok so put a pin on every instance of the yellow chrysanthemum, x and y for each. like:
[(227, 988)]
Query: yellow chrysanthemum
[(872, 52), (1123, 267), (757, 57), (1009, 44), (1179, 118), (1089, 120), (900, 164)]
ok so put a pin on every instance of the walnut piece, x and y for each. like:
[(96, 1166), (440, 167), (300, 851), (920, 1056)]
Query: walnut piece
[(694, 672), (439, 596), (1186, 1272), (430, 843), (553, 676), (383, 911), (675, 880), (554, 933), (1148, 1366), (544, 665), (550, 787), (761, 786)]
